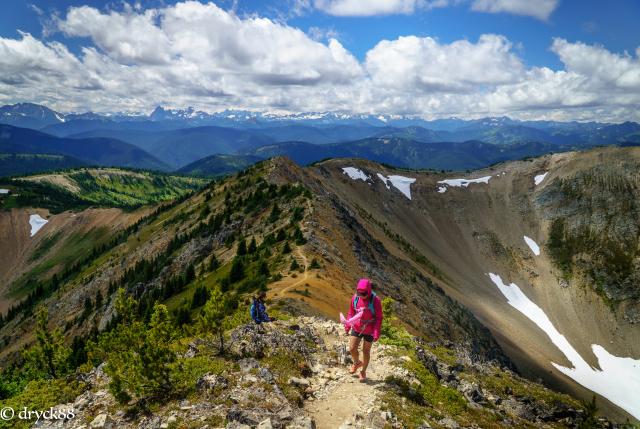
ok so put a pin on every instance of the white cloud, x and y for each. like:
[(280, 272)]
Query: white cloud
[(128, 37), (604, 68), (212, 41), (367, 7), (540, 9), (423, 64), (193, 54)]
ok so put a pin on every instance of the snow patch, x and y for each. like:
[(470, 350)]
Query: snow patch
[(532, 245), (4, 191), (539, 178), (465, 182), (355, 173), (36, 222), (384, 180), (401, 183), (618, 378)]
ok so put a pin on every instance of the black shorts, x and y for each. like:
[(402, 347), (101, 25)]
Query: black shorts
[(367, 338)]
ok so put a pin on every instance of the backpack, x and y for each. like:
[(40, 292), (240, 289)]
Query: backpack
[(253, 311), (371, 306)]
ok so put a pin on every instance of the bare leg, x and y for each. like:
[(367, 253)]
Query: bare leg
[(366, 354), (354, 344)]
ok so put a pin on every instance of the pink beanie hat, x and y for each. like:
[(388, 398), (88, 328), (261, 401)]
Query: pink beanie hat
[(364, 285)]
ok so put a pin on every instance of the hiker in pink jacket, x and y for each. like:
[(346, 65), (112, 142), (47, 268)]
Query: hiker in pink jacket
[(366, 327)]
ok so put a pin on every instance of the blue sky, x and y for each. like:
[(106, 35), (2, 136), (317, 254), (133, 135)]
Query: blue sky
[(569, 38)]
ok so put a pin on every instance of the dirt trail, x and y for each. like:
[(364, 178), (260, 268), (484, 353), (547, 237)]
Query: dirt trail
[(343, 401), (305, 262), (304, 278)]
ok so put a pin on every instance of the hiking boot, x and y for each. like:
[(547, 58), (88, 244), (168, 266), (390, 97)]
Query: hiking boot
[(363, 377), (355, 367)]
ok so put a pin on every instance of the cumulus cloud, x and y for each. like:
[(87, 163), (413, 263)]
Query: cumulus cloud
[(367, 7), (540, 9), (193, 54), (605, 69), (423, 64), (212, 41), (114, 33)]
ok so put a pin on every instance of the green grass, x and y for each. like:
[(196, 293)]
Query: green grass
[(499, 381), (285, 365), (188, 371), (40, 395), (44, 247), (103, 187), (444, 354)]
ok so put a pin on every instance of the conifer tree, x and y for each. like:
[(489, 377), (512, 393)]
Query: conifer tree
[(237, 270), (189, 275), (213, 263), (213, 316), (139, 357), (298, 237), (49, 356), (275, 213), (242, 248), (263, 268), (253, 246)]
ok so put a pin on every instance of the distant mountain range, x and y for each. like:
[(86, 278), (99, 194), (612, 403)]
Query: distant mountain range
[(35, 116), (411, 153), (173, 139), (94, 151)]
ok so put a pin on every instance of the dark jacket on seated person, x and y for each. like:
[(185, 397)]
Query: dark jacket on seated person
[(259, 310)]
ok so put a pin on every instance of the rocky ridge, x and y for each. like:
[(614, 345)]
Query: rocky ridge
[(293, 374)]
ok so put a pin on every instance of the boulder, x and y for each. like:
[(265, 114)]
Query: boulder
[(472, 392), (449, 423), (302, 382), (237, 425), (255, 341), (248, 364), (374, 420), (211, 381), (266, 375), (429, 360), (102, 421), (265, 424), (301, 422)]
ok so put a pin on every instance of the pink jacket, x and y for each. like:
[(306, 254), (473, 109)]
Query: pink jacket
[(367, 324)]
